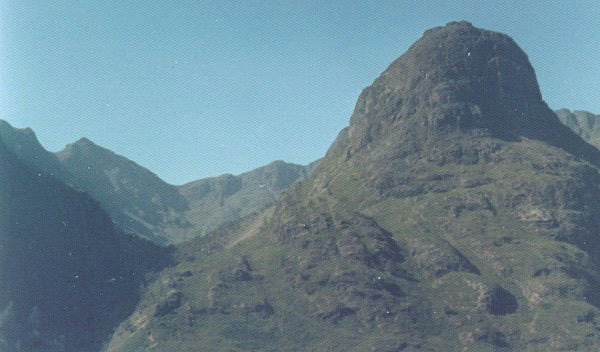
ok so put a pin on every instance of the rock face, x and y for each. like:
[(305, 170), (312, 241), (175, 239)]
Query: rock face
[(462, 78), (454, 213), (584, 123), (457, 78), (66, 276)]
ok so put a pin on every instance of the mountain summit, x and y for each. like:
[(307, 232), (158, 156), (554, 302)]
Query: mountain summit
[(455, 77), (458, 78)]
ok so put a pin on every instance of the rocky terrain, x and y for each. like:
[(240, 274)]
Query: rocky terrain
[(454, 213)]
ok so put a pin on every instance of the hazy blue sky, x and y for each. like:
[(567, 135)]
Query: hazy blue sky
[(197, 88)]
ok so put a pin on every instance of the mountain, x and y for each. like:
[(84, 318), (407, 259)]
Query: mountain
[(136, 199), (23, 143), (584, 123), (139, 201), (67, 277), (216, 201), (454, 213)]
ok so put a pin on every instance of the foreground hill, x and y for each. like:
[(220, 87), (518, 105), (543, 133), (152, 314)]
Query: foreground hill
[(66, 276), (584, 123), (454, 213), (139, 201)]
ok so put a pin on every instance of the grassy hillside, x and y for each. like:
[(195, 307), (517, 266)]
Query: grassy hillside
[(476, 257)]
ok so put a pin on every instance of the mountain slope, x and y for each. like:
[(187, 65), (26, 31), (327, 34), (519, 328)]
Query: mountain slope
[(584, 123), (139, 201), (454, 213), (66, 276)]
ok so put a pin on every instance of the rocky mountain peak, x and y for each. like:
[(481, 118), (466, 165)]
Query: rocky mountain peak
[(19, 140), (84, 141), (24, 144), (83, 145), (460, 79), (455, 77)]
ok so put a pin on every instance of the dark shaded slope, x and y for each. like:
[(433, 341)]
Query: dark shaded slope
[(66, 276)]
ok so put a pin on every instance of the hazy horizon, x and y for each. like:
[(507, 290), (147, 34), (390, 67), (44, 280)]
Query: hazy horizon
[(202, 89)]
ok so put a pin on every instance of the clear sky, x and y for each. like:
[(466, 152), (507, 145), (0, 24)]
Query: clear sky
[(196, 88)]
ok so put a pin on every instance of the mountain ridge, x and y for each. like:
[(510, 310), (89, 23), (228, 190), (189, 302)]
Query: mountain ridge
[(455, 212), (139, 201)]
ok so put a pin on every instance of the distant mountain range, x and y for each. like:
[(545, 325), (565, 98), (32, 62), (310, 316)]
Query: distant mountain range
[(455, 213), (139, 201), (584, 123)]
